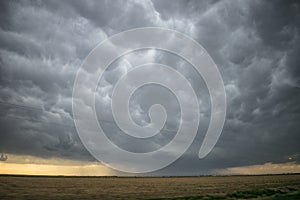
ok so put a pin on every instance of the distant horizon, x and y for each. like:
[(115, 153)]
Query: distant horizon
[(64, 167), (149, 176)]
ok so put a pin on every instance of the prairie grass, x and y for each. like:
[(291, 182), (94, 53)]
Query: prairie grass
[(181, 188)]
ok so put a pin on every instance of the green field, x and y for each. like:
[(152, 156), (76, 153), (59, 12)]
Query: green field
[(275, 187)]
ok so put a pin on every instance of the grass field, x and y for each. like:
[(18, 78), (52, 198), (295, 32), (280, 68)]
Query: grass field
[(275, 187)]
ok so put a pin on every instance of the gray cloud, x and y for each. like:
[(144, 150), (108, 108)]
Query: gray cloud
[(254, 43)]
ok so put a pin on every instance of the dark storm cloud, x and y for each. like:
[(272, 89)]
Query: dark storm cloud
[(256, 45)]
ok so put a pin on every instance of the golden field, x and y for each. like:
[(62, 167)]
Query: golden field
[(220, 187)]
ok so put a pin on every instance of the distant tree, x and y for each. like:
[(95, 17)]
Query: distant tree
[(3, 157)]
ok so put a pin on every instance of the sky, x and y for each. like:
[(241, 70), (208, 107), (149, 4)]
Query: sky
[(255, 44)]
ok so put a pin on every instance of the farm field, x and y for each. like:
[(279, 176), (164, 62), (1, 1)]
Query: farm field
[(269, 187)]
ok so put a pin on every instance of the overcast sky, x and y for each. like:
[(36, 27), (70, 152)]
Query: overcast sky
[(255, 44)]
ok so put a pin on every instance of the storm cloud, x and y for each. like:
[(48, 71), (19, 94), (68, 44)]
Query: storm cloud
[(255, 44)]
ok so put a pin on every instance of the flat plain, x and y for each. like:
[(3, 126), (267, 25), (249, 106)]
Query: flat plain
[(269, 187)]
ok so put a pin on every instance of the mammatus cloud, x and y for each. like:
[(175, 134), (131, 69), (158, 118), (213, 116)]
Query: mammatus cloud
[(254, 43)]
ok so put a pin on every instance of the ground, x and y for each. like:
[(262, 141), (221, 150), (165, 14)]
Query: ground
[(275, 187)]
